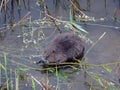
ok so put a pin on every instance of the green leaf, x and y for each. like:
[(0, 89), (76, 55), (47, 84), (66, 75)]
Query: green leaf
[(107, 68), (78, 27), (50, 69), (63, 75), (99, 81), (33, 84), (2, 67), (71, 17), (23, 69), (72, 23)]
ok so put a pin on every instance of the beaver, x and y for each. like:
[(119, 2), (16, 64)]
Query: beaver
[(64, 48)]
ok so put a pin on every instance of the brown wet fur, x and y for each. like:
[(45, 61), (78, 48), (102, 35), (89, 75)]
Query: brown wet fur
[(63, 48)]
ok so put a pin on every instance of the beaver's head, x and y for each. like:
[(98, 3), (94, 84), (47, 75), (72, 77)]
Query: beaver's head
[(54, 56)]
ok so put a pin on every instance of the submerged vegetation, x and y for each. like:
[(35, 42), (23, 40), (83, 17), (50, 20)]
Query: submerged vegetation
[(33, 35)]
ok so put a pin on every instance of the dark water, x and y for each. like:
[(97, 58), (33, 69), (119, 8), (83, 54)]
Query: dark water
[(25, 44)]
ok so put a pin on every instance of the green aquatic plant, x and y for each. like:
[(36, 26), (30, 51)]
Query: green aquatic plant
[(33, 84), (16, 80), (72, 23), (101, 82), (6, 71)]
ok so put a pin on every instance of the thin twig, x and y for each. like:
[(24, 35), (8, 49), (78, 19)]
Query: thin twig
[(54, 21), (95, 43), (82, 14), (42, 84), (1, 5), (22, 19)]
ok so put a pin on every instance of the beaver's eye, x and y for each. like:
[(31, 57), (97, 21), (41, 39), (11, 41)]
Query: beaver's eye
[(53, 51)]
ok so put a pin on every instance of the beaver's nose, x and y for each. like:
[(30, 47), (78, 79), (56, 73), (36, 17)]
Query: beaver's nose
[(42, 61)]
